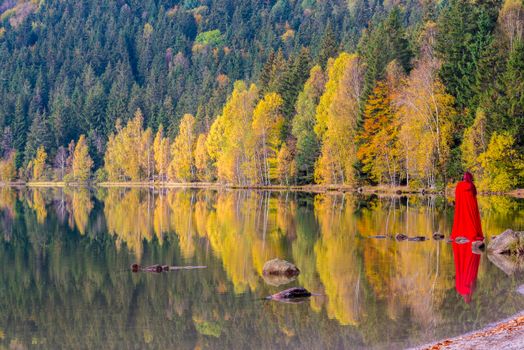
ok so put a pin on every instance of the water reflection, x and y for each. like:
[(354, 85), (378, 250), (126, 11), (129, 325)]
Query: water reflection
[(65, 281), (466, 270)]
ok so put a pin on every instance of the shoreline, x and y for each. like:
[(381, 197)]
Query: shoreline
[(379, 190), (505, 334)]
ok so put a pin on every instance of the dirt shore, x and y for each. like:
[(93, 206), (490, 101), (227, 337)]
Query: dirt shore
[(507, 334)]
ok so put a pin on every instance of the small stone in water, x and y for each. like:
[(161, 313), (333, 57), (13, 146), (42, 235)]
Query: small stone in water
[(438, 236), (461, 240), (291, 293)]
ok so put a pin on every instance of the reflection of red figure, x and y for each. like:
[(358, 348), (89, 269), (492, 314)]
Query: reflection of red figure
[(467, 218), (466, 270)]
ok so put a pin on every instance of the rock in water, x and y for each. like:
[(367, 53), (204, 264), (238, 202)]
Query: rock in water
[(401, 237), (291, 293), (508, 242), (461, 240), (478, 247), (437, 236), (280, 268)]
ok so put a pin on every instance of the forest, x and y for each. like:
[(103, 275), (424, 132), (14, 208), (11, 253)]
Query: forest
[(258, 93)]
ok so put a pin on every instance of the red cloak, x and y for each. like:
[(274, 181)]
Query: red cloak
[(467, 218), (466, 270)]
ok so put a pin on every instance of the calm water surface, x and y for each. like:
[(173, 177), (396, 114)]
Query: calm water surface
[(66, 283)]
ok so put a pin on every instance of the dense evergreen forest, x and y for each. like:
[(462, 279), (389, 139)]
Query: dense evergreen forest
[(263, 92)]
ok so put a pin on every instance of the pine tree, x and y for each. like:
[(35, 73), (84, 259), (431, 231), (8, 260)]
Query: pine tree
[(328, 46), (19, 131), (307, 144), (39, 136), (292, 81), (510, 106)]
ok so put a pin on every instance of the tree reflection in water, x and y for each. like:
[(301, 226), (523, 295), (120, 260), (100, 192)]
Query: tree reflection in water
[(65, 280)]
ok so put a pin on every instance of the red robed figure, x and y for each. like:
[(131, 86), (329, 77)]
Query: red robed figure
[(466, 270), (467, 218)]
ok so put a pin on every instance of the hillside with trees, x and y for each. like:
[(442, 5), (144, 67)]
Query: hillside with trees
[(286, 92)]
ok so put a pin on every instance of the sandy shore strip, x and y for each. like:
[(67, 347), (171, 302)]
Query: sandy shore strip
[(507, 334)]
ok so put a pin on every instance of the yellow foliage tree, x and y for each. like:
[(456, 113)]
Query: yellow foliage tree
[(202, 161), (39, 163), (182, 165), (8, 168), (286, 165), (337, 115), (161, 150), (128, 155), (230, 140), (378, 149), (427, 119), (503, 167), (268, 123), (82, 162), (474, 142)]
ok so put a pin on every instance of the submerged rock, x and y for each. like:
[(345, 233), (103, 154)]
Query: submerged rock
[(162, 268), (508, 242), (510, 264), (417, 239), (280, 268), (291, 293), (506, 251)]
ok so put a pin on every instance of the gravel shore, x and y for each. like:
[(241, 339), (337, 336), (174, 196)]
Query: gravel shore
[(507, 334)]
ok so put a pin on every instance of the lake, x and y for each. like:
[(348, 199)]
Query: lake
[(66, 282)]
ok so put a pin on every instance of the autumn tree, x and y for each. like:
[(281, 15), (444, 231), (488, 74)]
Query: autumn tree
[(503, 166), (474, 142), (203, 163), (268, 122), (229, 143), (8, 168), (128, 153), (378, 149), (82, 162), (39, 163), (511, 21), (337, 117), (182, 166), (286, 165), (427, 117), (161, 148)]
